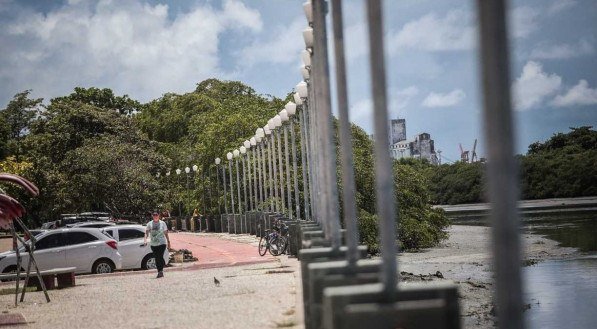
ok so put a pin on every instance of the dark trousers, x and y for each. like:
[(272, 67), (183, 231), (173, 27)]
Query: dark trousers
[(158, 253)]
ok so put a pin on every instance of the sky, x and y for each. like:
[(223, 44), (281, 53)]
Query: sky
[(145, 48)]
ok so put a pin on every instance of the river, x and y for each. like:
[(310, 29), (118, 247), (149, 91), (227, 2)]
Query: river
[(563, 293)]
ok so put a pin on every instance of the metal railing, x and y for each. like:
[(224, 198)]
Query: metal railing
[(341, 289)]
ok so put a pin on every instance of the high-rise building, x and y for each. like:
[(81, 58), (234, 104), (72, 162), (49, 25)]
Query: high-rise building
[(423, 148), (397, 130)]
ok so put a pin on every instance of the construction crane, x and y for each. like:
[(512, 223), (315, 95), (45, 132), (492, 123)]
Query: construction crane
[(474, 154), (463, 154)]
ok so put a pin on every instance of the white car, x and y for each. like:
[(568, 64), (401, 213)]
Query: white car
[(134, 253), (86, 249)]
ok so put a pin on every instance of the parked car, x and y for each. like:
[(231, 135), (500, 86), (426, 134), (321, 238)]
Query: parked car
[(91, 224), (135, 255), (87, 249), (34, 232)]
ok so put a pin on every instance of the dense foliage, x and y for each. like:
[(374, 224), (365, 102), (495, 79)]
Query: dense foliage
[(563, 166), (96, 151), (419, 225)]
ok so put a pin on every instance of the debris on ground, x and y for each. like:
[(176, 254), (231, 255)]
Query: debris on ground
[(182, 255)]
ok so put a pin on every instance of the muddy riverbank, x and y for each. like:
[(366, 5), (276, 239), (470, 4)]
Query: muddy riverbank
[(465, 259)]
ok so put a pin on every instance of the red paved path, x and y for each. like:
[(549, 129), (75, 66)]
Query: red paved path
[(214, 252)]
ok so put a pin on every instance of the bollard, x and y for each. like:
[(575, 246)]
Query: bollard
[(336, 274), (416, 306), (309, 256)]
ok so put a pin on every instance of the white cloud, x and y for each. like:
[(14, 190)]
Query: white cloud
[(284, 46), (237, 12), (524, 21), (563, 51), (454, 31), (581, 94), (534, 86), (444, 100), (560, 5), (402, 97), (361, 113), (131, 47)]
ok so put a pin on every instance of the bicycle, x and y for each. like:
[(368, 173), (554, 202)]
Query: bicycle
[(276, 241)]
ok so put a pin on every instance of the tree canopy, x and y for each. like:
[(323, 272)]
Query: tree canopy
[(93, 150)]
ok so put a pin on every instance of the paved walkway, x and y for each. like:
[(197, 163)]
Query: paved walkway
[(255, 292), (219, 250)]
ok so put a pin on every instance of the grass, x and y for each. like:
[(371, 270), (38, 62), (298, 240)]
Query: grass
[(11, 291), (286, 323)]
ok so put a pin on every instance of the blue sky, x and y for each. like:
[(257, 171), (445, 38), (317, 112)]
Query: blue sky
[(147, 48)]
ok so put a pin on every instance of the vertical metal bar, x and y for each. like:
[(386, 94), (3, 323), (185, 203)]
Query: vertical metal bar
[(321, 76), (209, 188), (304, 169), (261, 173), (231, 187), (218, 190), (225, 192), (271, 174), (250, 185), (240, 209), (243, 158), (384, 177), (348, 191), (501, 165), (294, 170), (275, 172), (286, 156), (282, 192), (312, 156), (263, 164), (255, 177)]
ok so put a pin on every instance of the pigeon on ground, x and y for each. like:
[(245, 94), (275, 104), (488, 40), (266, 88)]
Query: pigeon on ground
[(216, 282)]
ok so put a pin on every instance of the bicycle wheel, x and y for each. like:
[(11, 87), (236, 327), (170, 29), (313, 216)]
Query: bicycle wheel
[(274, 246), (262, 246), (283, 244)]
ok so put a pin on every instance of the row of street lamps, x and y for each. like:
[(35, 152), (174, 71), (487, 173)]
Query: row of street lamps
[(269, 166)]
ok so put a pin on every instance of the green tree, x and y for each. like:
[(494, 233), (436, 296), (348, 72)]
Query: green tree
[(87, 157), (15, 121), (103, 98)]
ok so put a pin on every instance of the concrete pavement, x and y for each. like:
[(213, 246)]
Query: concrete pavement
[(255, 292)]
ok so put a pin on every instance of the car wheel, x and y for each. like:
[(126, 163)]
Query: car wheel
[(148, 262), (103, 266), (12, 269)]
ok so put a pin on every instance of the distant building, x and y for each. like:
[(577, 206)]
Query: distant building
[(400, 150), (423, 148), (397, 130)]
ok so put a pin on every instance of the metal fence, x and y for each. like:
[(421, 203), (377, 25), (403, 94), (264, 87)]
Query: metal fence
[(341, 289)]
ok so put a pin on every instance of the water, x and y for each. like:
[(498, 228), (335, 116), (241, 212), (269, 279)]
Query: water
[(563, 293)]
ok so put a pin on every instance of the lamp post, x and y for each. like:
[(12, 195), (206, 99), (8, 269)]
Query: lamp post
[(259, 134), (268, 132), (218, 160), (178, 171), (187, 170), (285, 118), (195, 168), (291, 110), (247, 160), (253, 142), (243, 152), (272, 158), (278, 138), (236, 153), (229, 157), (299, 95)]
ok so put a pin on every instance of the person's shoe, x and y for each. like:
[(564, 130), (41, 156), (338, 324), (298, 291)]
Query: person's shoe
[(160, 275)]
